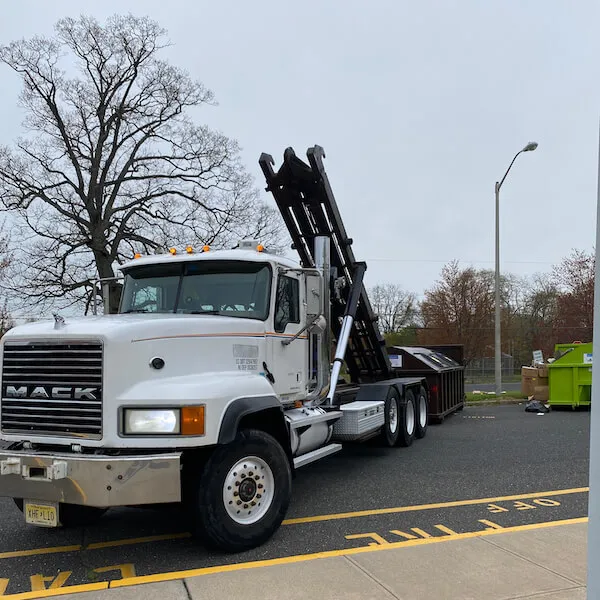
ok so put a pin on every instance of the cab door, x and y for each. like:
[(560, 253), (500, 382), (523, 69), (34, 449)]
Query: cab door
[(290, 359)]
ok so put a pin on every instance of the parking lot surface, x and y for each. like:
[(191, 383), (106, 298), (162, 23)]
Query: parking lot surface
[(486, 467)]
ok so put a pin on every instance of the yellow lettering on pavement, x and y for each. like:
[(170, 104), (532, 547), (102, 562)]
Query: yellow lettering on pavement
[(420, 532), (446, 529), (127, 570), (546, 502), (379, 541), (523, 506), (490, 525), (494, 508), (38, 582), (406, 536)]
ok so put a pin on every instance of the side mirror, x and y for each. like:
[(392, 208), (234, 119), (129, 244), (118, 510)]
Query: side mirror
[(318, 326), (314, 295)]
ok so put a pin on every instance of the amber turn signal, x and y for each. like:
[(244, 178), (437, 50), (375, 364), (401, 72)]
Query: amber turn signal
[(192, 420)]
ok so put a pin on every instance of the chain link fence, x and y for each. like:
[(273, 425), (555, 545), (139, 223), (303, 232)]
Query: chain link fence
[(482, 370)]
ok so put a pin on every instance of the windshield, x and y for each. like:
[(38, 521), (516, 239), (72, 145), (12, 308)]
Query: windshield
[(237, 289)]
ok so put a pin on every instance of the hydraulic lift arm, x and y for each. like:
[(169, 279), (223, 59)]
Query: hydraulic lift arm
[(308, 207)]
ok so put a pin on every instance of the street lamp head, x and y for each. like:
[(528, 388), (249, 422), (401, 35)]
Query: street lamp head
[(530, 147)]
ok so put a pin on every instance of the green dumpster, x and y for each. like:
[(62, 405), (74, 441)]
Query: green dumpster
[(570, 375)]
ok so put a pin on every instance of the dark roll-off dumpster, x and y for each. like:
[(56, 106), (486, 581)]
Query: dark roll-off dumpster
[(443, 368)]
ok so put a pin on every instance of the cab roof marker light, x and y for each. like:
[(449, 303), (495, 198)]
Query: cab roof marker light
[(260, 248), (173, 251), (206, 248), (189, 249), (137, 255)]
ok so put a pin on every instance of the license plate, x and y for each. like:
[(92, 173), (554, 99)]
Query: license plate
[(44, 515)]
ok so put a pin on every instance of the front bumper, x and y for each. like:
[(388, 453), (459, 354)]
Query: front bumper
[(100, 481)]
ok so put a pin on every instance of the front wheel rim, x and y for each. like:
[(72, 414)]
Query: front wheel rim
[(248, 490)]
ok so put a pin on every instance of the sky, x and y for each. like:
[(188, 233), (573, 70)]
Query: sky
[(420, 107)]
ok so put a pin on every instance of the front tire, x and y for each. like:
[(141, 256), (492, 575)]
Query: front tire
[(243, 493)]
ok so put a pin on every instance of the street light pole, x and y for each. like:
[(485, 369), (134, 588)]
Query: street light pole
[(497, 324), (497, 347)]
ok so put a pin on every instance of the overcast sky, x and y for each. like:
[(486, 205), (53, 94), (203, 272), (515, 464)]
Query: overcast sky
[(420, 107)]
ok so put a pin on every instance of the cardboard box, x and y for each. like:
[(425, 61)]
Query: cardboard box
[(541, 393), (529, 379), (543, 372)]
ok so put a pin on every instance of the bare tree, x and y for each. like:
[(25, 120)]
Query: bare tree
[(112, 163), (395, 307), (6, 319), (459, 309), (574, 277), (540, 314)]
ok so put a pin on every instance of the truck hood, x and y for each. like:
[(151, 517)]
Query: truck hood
[(137, 327)]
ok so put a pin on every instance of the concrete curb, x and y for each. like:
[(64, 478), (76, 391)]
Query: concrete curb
[(495, 401)]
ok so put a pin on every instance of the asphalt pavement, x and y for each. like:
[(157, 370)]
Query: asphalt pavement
[(485, 468)]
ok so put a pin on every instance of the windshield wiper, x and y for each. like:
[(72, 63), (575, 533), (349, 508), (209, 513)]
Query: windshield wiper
[(204, 312), (135, 310)]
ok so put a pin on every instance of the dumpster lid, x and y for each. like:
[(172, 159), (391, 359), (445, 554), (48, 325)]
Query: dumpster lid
[(432, 358)]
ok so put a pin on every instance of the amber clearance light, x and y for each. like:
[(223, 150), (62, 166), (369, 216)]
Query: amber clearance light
[(192, 420)]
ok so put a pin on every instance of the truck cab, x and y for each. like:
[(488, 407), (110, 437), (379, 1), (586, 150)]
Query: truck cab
[(233, 307)]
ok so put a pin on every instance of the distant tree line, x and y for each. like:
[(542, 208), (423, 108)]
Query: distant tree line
[(459, 308)]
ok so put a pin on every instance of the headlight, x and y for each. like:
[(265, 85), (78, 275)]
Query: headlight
[(152, 421)]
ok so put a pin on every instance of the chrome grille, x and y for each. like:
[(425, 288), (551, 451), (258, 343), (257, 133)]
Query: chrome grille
[(52, 388)]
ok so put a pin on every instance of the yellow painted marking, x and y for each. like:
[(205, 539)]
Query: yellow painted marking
[(523, 506), (96, 545), (546, 502), (491, 525), (3, 585), (417, 507), (126, 570), (446, 529), (70, 589), (374, 536), (38, 582), (332, 553), (52, 550), (420, 532), (140, 540), (281, 561), (408, 536), (494, 508), (300, 520)]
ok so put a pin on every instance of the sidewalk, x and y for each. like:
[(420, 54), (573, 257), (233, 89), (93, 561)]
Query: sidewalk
[(538, 562)]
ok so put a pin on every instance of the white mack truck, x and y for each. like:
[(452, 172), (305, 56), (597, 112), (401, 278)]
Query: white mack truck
[(217, 379)]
